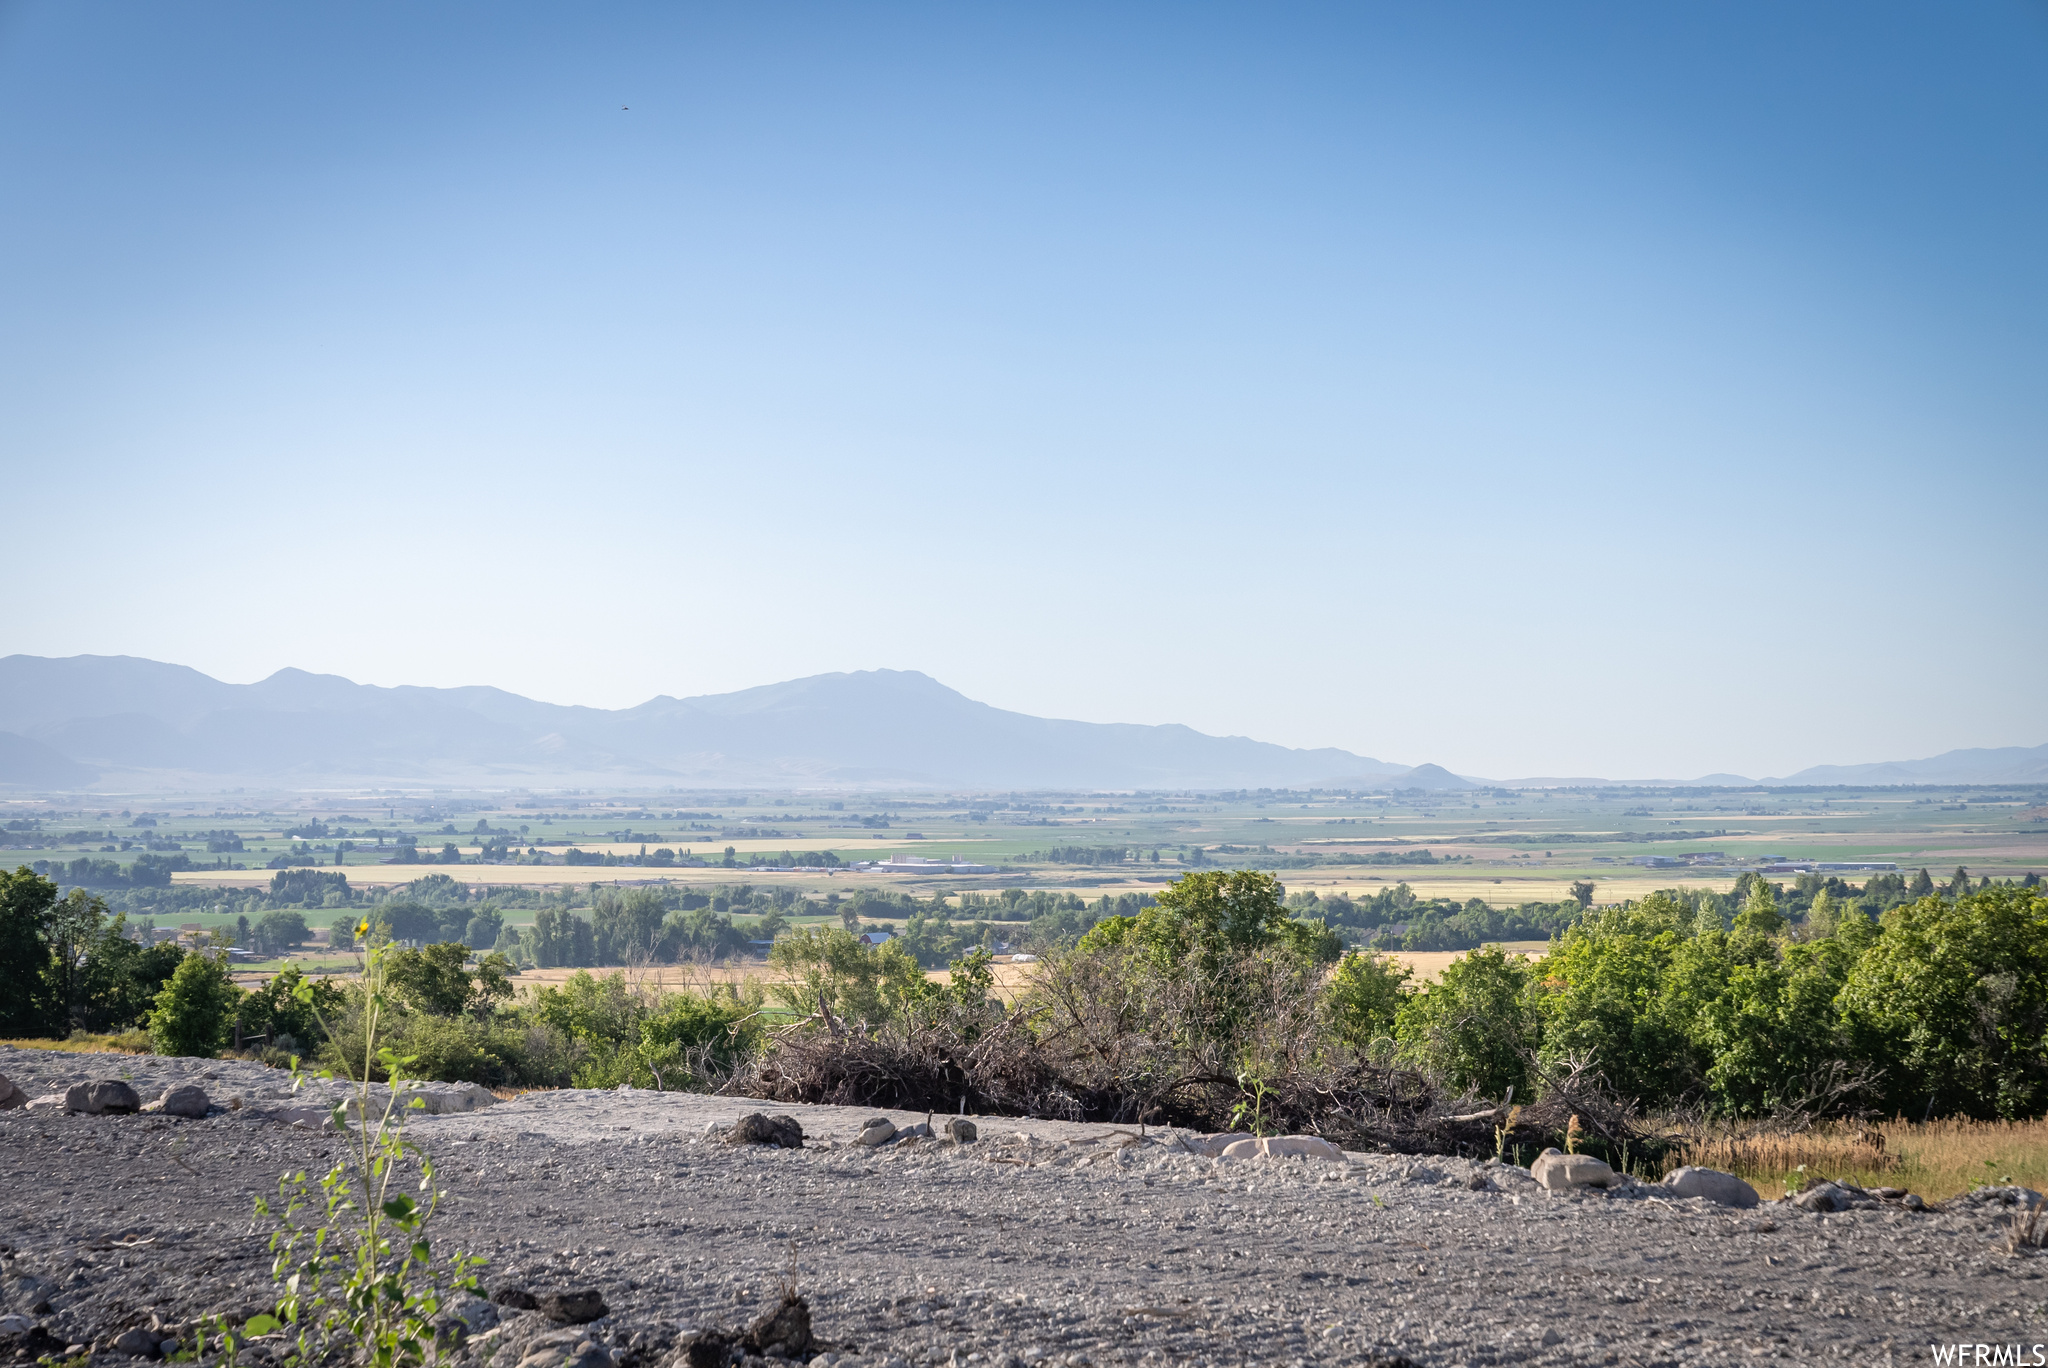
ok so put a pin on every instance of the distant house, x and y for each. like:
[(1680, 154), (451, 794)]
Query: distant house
[(918, 864), (877, 937)]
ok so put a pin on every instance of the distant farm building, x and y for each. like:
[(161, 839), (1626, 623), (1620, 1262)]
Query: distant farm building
[(918, 864)]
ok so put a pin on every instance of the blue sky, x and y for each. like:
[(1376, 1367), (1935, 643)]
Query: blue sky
[(1571, 389)]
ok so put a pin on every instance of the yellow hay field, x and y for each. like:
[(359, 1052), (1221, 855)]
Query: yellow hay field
[(1429, 965)]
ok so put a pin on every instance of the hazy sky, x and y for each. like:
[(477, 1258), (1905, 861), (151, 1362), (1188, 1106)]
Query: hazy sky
[(1623, 390)]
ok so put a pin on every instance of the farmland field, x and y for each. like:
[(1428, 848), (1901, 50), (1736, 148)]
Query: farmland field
[(209, 863)]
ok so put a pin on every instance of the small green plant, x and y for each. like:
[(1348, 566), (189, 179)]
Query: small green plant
[(366, 1272), (1251, 1111)]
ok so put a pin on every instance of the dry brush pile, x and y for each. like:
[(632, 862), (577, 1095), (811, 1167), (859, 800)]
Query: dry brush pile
[(1213, 1017)]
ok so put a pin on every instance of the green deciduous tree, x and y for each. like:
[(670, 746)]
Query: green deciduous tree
[(859, 983), (1477, 1025), (1603, 997), (1953, 997), (26, 900), (195, 1010), (1771, 1033), (1364, 996), (1759, 915)]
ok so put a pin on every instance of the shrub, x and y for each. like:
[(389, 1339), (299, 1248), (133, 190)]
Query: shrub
[(1476, 1026), (193, 1011)]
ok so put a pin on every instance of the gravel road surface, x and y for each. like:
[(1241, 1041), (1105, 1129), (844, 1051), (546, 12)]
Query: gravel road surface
[(1041, 1243)]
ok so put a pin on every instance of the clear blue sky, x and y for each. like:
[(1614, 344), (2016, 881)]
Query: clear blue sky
[(1624, 390)]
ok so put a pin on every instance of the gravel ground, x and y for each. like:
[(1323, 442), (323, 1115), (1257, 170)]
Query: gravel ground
[(1042, 1243)]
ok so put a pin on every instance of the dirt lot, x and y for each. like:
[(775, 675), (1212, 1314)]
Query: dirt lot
[(1062, 1248)]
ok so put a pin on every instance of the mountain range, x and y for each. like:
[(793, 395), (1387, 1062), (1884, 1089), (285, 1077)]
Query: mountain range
[(126, 724), (123, 722)]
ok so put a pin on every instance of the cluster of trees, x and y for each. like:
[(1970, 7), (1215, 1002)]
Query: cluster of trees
[(653, 925), (1265, 857), (424, 921), (1091, 855), (146, 871), (1940, 1007), (1404, 921), (67, 964), (273, 933)]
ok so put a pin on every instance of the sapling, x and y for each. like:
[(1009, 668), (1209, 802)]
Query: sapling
[(366, 1273)]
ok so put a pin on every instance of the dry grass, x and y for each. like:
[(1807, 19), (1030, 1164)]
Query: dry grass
[(123, 1042), (1429, 965), (1937, 1159)]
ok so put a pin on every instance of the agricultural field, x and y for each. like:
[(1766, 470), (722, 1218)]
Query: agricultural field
[(1498, 844), (190, 862)]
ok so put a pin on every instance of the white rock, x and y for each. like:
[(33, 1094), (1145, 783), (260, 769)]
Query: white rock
[(1212, 1146), (879, 1131), (1725, 1189), (1561, 1172), (1281, 1147)]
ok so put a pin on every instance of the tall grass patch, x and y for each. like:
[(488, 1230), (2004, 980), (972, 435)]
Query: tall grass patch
[(1937, 1159)]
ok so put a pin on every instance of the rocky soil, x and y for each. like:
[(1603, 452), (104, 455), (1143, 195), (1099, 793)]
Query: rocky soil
[(1040, 1243)]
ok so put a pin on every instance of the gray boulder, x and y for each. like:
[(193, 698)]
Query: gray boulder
[(879, 1130), (108, 1097), (961, 1131), (1723, 1189), (1561, 1172), (137, 1343), (11, 1096), (188, 1100)]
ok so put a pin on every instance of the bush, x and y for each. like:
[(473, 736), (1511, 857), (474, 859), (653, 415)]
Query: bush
[(194, 1009), (1365, 994), (1476, 1026), (457, 1049)]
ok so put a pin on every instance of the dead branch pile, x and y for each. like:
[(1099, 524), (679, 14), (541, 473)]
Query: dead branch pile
[(914, 1066), (1103, 1036)]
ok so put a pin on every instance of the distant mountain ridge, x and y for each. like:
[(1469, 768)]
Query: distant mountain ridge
[(140, 723), (124, 722), (1994, 765)]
